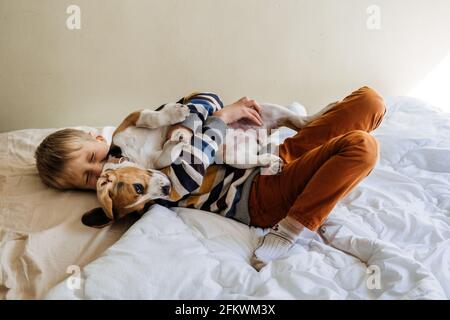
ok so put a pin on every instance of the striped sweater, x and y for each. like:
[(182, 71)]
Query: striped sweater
[(197, 182)]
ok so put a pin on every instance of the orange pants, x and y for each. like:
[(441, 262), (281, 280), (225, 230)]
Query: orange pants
[(324, 162)]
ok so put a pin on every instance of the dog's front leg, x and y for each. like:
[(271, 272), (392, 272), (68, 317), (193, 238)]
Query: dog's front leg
[(171, 151), (177, 136), (179, 133), (171, 113)]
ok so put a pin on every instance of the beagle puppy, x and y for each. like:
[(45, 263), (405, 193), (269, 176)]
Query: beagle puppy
[(146, 141), (125, 188)]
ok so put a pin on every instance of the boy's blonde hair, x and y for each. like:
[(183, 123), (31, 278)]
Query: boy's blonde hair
[(54, 152)]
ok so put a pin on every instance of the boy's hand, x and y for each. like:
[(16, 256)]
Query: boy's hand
[(244, 108)]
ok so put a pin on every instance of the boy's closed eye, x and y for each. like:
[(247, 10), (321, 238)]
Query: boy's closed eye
[(87, 178), (88, 174)]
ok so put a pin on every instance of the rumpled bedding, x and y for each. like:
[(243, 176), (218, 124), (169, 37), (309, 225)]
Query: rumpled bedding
[(388, 239), (41, 235)]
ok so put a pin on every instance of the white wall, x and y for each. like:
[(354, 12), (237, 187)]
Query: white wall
[(134, 53)]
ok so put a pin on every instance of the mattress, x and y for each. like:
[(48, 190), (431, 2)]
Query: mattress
[(388, 239)]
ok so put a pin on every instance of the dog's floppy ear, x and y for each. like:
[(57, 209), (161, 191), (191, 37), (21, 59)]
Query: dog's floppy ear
[(96, 218), (106, 202)]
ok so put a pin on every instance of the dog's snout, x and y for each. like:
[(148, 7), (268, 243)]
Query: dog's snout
[(165, 190)]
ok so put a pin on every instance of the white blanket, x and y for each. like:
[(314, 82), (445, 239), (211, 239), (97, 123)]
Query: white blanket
[(388, 239)]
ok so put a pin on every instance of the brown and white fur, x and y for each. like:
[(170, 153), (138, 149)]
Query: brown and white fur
[(147, 139)]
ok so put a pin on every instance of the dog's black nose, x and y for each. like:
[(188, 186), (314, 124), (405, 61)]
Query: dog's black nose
[(165, 190)]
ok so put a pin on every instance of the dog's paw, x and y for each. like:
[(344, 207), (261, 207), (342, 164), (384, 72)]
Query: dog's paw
[(181, 135), (177, 112), (275, 166), (271, 163)]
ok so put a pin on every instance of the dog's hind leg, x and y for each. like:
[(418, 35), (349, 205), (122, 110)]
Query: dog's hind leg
[(272, 164), (298, 122), (298, 108), (275, 116)]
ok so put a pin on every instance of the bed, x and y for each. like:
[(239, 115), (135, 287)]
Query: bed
[(388, 239)]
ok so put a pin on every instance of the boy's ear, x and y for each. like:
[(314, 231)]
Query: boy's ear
[(96, 218), (96, 136), (100, 138)]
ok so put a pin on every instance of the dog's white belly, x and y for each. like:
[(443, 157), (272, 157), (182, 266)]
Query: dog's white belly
[(141, 145), (241, 147)]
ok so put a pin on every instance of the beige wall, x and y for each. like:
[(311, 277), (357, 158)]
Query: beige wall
[(137, 53)]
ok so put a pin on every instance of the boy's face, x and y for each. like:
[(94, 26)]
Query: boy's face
[(87, 163)]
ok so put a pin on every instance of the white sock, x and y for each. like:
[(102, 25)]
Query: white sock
[(276, 243)]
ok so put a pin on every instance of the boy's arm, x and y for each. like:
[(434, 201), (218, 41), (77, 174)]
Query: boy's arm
[(201, 105), (187, 171)]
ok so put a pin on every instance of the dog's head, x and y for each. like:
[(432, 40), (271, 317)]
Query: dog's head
[(123, 189)]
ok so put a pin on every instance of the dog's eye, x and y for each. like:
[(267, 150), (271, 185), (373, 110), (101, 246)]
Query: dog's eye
[(138, 188)]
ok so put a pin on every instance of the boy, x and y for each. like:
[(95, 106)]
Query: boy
[(323, 162)]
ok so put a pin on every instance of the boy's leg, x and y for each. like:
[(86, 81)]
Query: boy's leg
[(362, 110), (308, 188), (325, 161)]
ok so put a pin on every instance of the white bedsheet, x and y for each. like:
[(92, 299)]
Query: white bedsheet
[(394, 227)]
